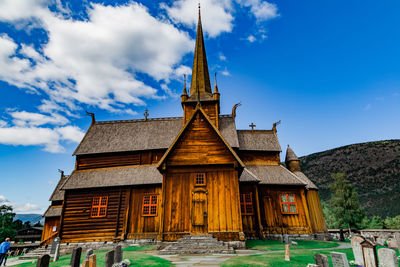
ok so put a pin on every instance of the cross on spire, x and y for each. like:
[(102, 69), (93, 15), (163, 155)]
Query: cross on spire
[(252, 125)]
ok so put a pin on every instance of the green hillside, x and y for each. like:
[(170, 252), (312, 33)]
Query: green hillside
[(373, 168)]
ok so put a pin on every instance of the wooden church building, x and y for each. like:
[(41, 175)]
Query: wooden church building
[(164, 178)]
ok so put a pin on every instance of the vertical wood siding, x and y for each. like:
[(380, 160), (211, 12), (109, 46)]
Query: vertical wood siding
[(316, 215), (250, 227), (49, 223)]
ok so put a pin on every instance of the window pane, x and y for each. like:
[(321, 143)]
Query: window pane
[(249, 208), (146, 210), (104, 201), (96, 201), (153, 210), (284, 198), (94, 211), (293, 208), (248, 197), (102, 211), (154, 200), (146, 200), (291, 198), (285, 208)]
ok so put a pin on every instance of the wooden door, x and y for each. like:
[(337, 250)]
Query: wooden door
[(199, 211)]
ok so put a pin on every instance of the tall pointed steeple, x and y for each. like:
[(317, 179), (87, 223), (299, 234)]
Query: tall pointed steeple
[(200, 77)]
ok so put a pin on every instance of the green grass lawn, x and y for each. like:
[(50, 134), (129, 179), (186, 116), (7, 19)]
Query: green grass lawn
[(130, 253), (277, 245), (299, 258)]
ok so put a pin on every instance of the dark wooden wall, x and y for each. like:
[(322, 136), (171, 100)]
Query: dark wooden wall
[(221, 194), (79, 226), (84, 162), (210, 108), (49, 223), (272, 219), (250, 222), (260, 157)]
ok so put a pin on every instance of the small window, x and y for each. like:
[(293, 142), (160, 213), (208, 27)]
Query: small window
[(246, 204), (150, 205), (288, 203), (200, 179), (99, 207)]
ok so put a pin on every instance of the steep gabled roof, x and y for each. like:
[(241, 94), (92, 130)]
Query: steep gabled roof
[(290, 155), (258, 140), (306, 180), (58, 194), (199, 110), (53, 211), (274, 175)]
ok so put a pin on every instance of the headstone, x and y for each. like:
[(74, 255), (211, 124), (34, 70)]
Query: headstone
[(287, 252), (118, 254), (85, 263), (321, 260), (357, 250), (92, 261), (339, 259), (380, 241), (76, 257), (43, 261), (286, 239), (397, 238), (341, 235), (57, 253), (369, 253), (109, 258), (88, 253), (54, 244), (387, 258)]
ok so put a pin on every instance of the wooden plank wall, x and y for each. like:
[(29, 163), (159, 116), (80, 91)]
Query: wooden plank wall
[(78, 226), (250, 228), (143, 226), (49, 223), (259, 157), (85, 162), (316, 215), (273, 221), (209, 108), (200, 145), (223, 207)]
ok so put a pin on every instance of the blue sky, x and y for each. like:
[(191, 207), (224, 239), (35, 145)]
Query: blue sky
[(328, 69)]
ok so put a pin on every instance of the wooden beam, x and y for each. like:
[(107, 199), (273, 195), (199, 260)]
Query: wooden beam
[(128, 207), (260, 233), (118, 213), (306, 211), (62, 215), (162, 212)]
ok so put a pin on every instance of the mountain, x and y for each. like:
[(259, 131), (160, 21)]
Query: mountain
[(33, 218), (373, 168)]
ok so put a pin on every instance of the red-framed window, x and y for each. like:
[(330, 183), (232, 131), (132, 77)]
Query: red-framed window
[(246, 203), (200, 179), (288, 203), (99, 206), (149, 207)]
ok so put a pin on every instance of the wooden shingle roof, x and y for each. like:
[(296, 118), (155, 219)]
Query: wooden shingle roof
[(274, 175), (258, 140), (135, 135), (53, 211), (58, 194), (121, 176), (306, 180)]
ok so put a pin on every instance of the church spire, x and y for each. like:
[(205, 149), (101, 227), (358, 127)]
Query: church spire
[(200, 83)]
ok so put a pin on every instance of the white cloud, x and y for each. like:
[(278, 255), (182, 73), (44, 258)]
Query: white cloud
[(262, 10), (251, 39), (222, 57), (215, 15), (23, 118), (225, 72), (3, 123), (20, 208), (70, 133), (3, 199)]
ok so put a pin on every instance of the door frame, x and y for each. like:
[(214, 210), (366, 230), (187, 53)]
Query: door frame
[(194, 191)]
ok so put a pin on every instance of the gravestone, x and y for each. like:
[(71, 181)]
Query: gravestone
[(57, 253), (287, 252), (286, 239), (92, 261), (118, 254), (339, 259), (369, 253), (54, 244), (43, 261), (321, 260), (109, 258), (76, 257), (341, 235), (85, 263), (387, 258), (357, 250), (88, 253), (397, 238)]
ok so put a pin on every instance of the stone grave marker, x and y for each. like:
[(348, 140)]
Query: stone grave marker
[(341, 235), (287, 252), (85, 263), (369, 253), (339, 259), (43, 261), (387, 258), (321, 260), (57, 253), (88, 253), (286, 239), (76, 257), (92, 261), (118, 254), (357, 250), (54, 244), (397, 238), (109, 258)]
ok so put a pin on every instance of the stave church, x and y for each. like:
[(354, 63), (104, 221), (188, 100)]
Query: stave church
[(166, 178)]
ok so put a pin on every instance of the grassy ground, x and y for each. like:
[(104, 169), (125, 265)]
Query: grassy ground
[(299, 258), (130, 253), (277, 245)]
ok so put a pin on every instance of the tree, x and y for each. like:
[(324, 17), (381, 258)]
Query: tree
[(344, 203), (18, 225), (7, 227), (393, 223), (329, 217), (376, 223)]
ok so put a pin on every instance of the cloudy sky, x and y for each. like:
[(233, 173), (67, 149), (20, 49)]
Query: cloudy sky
[(328, 69)]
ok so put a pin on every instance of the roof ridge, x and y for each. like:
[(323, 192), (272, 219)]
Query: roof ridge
[(139, 120), (255, 131)]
